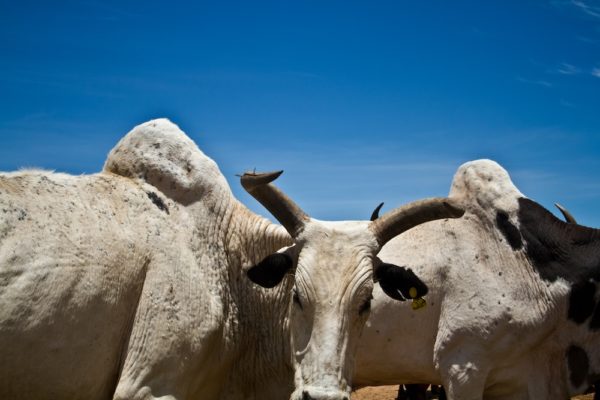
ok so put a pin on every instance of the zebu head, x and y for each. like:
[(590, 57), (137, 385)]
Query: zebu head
[(335, 269)]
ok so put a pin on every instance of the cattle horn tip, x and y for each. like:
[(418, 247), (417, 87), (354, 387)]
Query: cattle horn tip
[(566, 214), (375, 213), (252, 179)]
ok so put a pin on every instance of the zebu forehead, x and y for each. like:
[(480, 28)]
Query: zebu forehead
[(345, 226), (335, 255), (339, 233)]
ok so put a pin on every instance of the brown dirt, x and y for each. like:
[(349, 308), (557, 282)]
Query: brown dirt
[(390, 392)]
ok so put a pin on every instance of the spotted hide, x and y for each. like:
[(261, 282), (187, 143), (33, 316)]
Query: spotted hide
[(513, 306)]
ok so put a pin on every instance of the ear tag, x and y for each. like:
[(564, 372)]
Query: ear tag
[(418, 302), (412, 292)]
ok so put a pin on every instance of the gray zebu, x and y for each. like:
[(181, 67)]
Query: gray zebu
[(130, 283), (512, 306)]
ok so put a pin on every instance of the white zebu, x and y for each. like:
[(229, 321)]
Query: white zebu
[(512, 306), (131, 283)]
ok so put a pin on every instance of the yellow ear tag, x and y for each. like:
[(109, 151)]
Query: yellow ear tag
[(418, 303), (412, 292)]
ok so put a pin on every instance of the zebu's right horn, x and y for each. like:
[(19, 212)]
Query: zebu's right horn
[(375, 213), (409, 215)]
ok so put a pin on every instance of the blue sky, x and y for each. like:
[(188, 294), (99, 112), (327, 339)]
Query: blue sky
[(359, 102)]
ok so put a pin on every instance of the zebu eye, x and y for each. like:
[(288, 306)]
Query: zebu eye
[(297, 299), (366, 306)]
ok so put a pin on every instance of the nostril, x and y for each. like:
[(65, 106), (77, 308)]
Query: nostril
[(345, 398), (306, 396)]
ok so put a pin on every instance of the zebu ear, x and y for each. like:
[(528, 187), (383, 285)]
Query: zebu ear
[(270, 272), (399, 283)]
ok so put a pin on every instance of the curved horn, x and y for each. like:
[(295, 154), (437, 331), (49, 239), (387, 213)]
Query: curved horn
[(568, 217), (403, 218), (375, 214), (282, 207)]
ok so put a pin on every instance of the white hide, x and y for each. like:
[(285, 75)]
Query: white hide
[(129, 283), (492, 328), (333, 279)]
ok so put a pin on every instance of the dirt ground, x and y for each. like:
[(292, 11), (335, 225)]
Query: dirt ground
[(390, 392)]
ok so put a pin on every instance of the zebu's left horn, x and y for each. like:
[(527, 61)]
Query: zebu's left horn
[(281, 206), (403, 218)]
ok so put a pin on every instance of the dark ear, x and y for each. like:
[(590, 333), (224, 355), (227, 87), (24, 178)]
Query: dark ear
[(270, 272), (397, 282)]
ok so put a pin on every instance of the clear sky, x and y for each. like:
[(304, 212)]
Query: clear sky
[(358, 101)]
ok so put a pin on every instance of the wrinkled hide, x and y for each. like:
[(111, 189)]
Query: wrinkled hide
[(512, 304), (130, 283), (143, 282)]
